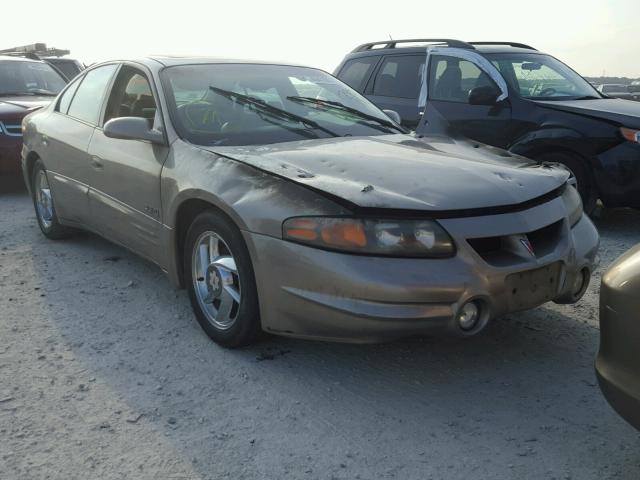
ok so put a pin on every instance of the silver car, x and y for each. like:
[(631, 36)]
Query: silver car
[(286, 202)]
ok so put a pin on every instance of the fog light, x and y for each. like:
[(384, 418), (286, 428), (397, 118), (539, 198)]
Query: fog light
[(468, 316)]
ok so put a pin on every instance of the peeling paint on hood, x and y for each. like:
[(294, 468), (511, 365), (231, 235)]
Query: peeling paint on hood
[(403, 172), (21, 106)]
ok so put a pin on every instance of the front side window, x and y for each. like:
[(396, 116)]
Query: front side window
[(541, 77), (400, 76), (452, 78), (19, 77), (87, 102), (131, 96), (356, 72), (245, 104)]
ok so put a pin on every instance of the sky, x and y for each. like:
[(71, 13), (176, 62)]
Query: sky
[(594, 37)]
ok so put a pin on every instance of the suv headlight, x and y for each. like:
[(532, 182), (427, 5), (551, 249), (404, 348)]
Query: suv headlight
[(396, 238), (573, 204), (630, 134)]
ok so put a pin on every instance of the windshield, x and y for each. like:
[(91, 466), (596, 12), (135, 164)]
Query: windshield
[(29, 78), (541, 77), (249, 104)]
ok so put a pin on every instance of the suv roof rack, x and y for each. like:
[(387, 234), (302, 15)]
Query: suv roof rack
[(392, 43), (510, 44), (35, 51)]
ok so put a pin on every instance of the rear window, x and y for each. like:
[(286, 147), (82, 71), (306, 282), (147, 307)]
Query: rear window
[(356, 72)]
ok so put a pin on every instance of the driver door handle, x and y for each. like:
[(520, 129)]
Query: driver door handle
[(96, 163)]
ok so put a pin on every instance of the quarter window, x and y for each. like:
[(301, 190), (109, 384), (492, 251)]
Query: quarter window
[(400, 76), (356, 72), (87, 101), (451, 79), (67, 96)]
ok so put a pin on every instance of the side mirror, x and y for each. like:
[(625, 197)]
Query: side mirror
[(485, 95), (132, 128), (393, 115)]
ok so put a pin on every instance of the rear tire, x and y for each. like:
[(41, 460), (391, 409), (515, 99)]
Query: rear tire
[(582, 174), (220, 280), (45, 206)]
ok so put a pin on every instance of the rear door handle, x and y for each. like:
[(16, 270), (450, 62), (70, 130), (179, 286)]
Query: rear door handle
[(96, 163)]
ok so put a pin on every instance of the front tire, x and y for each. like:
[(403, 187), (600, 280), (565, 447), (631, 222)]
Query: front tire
[(581, 173), (44, 204), (220, 279)]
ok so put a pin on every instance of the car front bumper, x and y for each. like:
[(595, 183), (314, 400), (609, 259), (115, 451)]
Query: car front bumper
[(618, 360), (619, 177), (10, 148), (312, 293)]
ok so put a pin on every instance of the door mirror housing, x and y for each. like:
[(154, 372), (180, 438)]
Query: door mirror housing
[(393, 115), (132, 128), (485, 95)]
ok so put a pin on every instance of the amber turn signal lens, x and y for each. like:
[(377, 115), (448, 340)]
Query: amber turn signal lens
[(302, 229), (630, 134), (344, 234)]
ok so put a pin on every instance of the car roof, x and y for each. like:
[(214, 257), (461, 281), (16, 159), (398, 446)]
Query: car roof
[(389, 47), (18, 59), (157, 62), (172, 60)]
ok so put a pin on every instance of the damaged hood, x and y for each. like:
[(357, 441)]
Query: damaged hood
[(19, 106), (623, 112), (402, 172)]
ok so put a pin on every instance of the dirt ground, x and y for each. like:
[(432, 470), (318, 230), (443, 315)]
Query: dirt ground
[(105, 374)]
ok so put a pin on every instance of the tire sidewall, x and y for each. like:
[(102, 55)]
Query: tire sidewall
[(56, 230), (247, 324), (581, 172)]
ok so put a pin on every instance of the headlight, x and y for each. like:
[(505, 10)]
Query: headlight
[(397, 238), (630, 134), (573, 204)]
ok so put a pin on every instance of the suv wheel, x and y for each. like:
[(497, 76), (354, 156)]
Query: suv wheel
[(581, 174), (45, 206), (220, 280)]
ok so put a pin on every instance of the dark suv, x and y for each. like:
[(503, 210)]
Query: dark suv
[(511, 96), (25, 86)]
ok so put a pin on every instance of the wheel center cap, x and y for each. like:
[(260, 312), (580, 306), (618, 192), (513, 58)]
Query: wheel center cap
[(214, 281)]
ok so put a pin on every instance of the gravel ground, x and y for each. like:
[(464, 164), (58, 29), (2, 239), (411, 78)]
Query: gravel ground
[(105, 374)]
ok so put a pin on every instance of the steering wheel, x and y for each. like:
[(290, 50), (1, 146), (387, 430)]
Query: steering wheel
[(200, 116), (547, 92)]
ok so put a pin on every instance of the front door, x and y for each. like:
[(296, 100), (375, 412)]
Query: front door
[(451, 78), (124, 199)]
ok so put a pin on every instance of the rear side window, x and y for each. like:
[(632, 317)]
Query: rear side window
[(400, 76), (356, 72), (451, 79), (87, 101)]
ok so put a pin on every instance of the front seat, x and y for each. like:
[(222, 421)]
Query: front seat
[(449, 86), (144, 107)]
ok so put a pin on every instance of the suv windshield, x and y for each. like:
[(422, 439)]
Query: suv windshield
[(29, 78), (541, 77), (247, 104)]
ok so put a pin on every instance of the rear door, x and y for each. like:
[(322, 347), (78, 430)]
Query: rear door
[(67, 138), (396, 86), (124, 199), (452, 75)]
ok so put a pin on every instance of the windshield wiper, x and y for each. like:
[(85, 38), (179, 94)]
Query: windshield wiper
[(344, 108), (32, 93), (270, 109), (589, 97)]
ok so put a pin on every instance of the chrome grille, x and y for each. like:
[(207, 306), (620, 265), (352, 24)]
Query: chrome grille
[(12, 129)]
